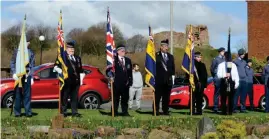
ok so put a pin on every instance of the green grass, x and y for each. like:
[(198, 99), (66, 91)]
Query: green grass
[(93, 118)]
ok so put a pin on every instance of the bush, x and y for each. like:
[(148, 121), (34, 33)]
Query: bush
[(230, 129), (210, 135), (257, 64)]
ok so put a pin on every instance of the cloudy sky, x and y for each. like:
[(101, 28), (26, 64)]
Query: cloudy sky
[(134, 17)]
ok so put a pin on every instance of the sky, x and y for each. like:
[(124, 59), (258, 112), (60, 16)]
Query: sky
[(133, 17)]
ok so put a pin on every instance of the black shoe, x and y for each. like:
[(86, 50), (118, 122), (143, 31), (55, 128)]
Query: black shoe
[(139, 109), (166, 113), (76, 115), (126, 114), (157, 114), (17, 115), (29, 116)]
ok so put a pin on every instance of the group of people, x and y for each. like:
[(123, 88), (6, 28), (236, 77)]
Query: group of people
[(231, 79)]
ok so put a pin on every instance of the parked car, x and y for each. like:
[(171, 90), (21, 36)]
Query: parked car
[(93, 92), (180, 95)]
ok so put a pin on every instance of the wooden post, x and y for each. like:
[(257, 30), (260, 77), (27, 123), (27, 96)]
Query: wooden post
[(154, 103), (112, 98)]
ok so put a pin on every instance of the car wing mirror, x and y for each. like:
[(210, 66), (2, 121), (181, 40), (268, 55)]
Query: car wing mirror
[(36, 77)]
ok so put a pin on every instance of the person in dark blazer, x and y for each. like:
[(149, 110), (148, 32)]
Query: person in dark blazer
[(265, 76), (24, 94), (165, 69), (73, 82), (123, 79), (200, 80)]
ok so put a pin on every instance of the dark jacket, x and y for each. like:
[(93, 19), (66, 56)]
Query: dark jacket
[(123, 77), (73, 73), (164, 77), (265, 75), (250, 74), (241, 64), (214, 66), (202, 74), (30, 66)]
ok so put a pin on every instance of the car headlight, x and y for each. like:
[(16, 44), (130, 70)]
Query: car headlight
[(176, 93)]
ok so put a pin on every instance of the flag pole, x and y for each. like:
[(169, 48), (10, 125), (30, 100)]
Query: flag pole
[(60, 97), (112, 98), (171, 26), (190, 68), (154, 103)]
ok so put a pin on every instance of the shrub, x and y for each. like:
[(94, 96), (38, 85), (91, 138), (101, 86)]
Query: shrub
[(230, 129), (210, 135), (257, 64)]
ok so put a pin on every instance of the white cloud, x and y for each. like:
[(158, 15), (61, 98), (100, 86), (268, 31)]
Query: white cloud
[(132, 17)]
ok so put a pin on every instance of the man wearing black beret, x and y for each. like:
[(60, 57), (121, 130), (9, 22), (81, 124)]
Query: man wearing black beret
[(200, 80), (123, 79), (165, 69), (213, 69), (74, 80)]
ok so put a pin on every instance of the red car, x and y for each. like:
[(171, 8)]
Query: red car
[(94, 91), (180, 95)]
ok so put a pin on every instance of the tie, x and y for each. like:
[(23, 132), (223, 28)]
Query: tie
[(165, 58), (122, 64)]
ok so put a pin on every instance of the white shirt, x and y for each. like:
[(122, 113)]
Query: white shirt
[(72, 57), (122, 59), (221, 73), (164, 55)]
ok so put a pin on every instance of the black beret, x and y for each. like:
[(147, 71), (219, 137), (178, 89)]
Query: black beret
[(241, 51), (249, 60), (197, 53), (221, 49), (267, 59), (70, 44), (165, 42), (121, 46)]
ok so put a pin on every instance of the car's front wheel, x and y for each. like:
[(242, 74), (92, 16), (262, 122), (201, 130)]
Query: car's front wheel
[(204, 103), (90, 101), (8, 100), (262, 102)]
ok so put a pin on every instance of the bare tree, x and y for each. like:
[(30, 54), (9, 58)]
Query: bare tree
[(242, 44), (137, 43)]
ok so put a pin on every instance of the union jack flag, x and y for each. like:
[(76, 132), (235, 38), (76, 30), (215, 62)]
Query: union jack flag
[(110, 44), (61, 53)]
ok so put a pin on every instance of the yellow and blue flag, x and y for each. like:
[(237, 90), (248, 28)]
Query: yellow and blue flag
[(61, 53), (150, 64), (22, 58), (188, 59)]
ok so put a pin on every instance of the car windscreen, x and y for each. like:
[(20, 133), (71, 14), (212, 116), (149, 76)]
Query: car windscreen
[(38, 67)]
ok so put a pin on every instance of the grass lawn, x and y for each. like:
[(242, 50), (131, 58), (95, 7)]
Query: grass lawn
[(93, 118)]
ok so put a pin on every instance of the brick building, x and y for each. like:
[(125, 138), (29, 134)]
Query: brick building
[(258, 29)]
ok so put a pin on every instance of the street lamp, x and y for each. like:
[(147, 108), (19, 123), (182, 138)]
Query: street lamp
[(41, 39)]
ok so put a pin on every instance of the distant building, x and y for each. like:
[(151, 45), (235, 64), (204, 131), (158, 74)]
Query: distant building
[(258, 29)]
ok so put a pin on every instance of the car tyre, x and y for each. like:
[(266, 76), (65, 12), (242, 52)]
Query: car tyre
[(204, 103), (262, 102), (90, 101), (8, 100)]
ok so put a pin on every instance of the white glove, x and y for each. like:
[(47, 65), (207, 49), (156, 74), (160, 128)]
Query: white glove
[(15, 77), (57, 69), (82, 75), (32, 81), (236, 86), (173, 79)]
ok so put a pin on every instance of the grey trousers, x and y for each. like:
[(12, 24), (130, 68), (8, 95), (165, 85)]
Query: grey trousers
[(135, 91)]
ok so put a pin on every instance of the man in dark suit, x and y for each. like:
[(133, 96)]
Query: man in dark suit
[(123, 79), (200, 80), (165, 69), (24, 92), (73, 82)]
